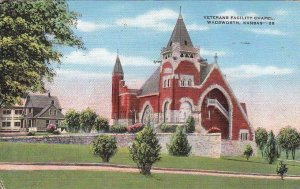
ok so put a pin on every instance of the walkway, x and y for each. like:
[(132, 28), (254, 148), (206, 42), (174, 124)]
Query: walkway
[(128, 169)]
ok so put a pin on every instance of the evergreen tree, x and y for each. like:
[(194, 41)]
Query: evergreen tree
[(179, 144), (145, 150), (248, 151), (270, 150), (104, 146), (190, 124)]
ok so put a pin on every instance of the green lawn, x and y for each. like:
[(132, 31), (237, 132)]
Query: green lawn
[(20, 152), (114, 180)]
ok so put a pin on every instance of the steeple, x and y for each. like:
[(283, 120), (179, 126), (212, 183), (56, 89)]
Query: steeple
[(180, 34), (118, 67)]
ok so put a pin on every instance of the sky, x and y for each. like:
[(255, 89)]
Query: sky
[(261, 62)]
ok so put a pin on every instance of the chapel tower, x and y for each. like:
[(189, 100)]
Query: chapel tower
[(117, 77)]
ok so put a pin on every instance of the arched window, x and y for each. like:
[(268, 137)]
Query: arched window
[(168, 82), (165, 83), (185, 111), (189, 82), (147, 116), (183, 82), (166, 112)]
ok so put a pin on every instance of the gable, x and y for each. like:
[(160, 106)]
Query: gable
[(45, 113)]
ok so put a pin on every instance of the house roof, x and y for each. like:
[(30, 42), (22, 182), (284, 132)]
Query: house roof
[(118, 67), (41, 101), (204, 71), (152, 84), (180, 34)]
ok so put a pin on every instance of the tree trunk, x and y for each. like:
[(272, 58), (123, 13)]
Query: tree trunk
[(287, 154), (145, 169), (262, 153), (293, 154)]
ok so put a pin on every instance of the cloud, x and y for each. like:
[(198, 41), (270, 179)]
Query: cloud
[(159, 20), (266, 31), (280, 12), (206, 52), (196, 27), (103, 57), (251, 71), (87, 26)]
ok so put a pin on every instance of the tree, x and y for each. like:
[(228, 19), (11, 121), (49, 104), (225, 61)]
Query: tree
[(261, 137), (289, 140), (248, 151), (190, 124), (282, 169), (87, 120), (145, 150), (72, 119), (104, 146), (101, 124), (270, 149), (179, 144), (30, 32)]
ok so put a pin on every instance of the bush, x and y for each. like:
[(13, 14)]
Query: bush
[(101, 124), (104, 146), (282, 169), (56, 132), (248, 151), (164, 128), (179, 143), (270, 150), (118, 129), (51, 128), (72, 119), (135, 128), (190, 125), (31, 133), (87, 120), (145, 150)]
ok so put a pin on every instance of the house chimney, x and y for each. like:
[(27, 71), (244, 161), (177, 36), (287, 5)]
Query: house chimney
[(52, 102), (49, 95)]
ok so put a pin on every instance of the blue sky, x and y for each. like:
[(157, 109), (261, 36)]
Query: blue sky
[(263, 73)]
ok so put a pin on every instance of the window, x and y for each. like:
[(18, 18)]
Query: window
[(47, 122), (168, 82), (165, 83), (50, 112), (189, 82), (183, 82), (17, 124), (55, 112), (18, 112), (30, 110), (6, 124), (6, 112), (244, 136), (29, 123), (56, 123)]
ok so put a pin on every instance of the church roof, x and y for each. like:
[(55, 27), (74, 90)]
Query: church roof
[(152, 84), (118, 67), (205, 69), (180, 34)]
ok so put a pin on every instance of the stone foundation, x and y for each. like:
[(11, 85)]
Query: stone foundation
[(208, 145)]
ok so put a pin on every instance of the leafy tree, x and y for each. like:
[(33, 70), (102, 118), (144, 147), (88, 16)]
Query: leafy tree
[(270, 150), (261, 137), (282, 169), (87, 120), (31, 31), (104, 146), (190, 124), (248, 151), (101, 124), (145, 150), (179, 144), (289, 140), (72, 119)]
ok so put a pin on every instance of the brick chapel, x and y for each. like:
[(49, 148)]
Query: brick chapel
[(184, 85)]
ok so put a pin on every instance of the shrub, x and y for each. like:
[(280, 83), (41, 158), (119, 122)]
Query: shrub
[(104, 146), (72, 119), (51, 128), (87, 120), (118, 129), (135, 128), (282, 169), (179, 144), (248, 151), (56, 132), (31, 133), (101, 124), (145, 150), (190, 125), (164, 128)]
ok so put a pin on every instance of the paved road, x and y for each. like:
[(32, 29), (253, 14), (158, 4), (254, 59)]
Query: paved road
[(126, 169)]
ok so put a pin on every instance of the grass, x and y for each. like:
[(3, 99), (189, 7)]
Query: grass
[(20, 152), (93, 180)]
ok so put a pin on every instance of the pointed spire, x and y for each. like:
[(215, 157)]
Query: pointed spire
[(118, 67), (180, 34), (216, 58)]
